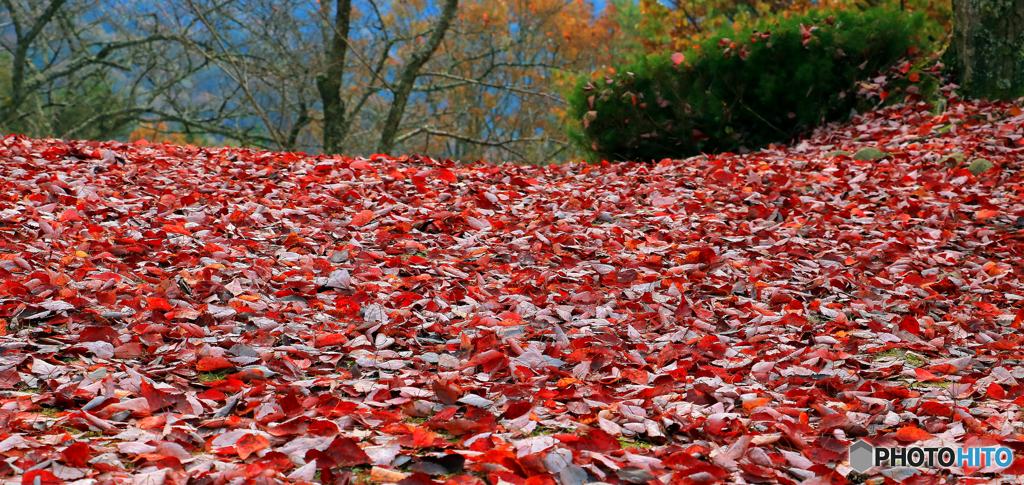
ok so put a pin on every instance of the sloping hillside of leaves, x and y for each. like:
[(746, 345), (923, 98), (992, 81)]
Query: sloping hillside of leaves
[(201, 316)]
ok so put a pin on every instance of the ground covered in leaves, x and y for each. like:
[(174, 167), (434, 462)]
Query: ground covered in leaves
[(223, 316)]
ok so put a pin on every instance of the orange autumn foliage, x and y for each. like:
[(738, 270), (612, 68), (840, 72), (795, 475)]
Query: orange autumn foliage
[(158, 133)]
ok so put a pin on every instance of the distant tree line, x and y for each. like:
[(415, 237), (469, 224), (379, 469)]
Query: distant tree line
[(457, 78)]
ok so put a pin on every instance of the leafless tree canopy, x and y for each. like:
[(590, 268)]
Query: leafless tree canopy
[(448, 78)]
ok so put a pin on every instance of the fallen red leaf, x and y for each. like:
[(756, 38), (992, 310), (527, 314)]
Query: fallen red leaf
[(1015, 468), (723, 176), (911, 434), (249, 444), (925, 376), (159, 304), (70, 215), (986, 213), (77, 455), (995, 391), (9, 378), (212, 364), (346, 452), (40, 477), (156, 398), (362, 218)]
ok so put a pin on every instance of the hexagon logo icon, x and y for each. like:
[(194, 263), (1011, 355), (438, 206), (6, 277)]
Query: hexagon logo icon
[(861, 456)]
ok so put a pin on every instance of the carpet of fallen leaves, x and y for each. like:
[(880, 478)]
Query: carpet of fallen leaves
[(203, 316)]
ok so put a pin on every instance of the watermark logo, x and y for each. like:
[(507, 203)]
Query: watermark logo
[(864, 456)]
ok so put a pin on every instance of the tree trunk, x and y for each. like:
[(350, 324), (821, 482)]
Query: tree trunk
[(988, 47), (328, 83), (407, 78), (23, 41)]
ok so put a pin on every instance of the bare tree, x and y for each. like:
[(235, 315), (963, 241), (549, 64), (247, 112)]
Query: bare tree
[(62, 70), (495, 89), (329, 81), (403, 86), (254, 87), (461, 79)]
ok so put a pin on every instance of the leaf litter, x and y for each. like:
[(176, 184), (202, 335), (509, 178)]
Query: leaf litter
[(184, 315)]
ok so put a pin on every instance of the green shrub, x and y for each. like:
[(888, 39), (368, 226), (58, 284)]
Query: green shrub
[(746, 90)]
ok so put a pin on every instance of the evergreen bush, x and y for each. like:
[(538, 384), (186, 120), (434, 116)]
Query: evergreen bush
[(764, 85)]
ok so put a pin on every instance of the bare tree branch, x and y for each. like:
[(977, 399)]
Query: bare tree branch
[(23, 42), (464, 81), (410, 72), (238, 74)]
